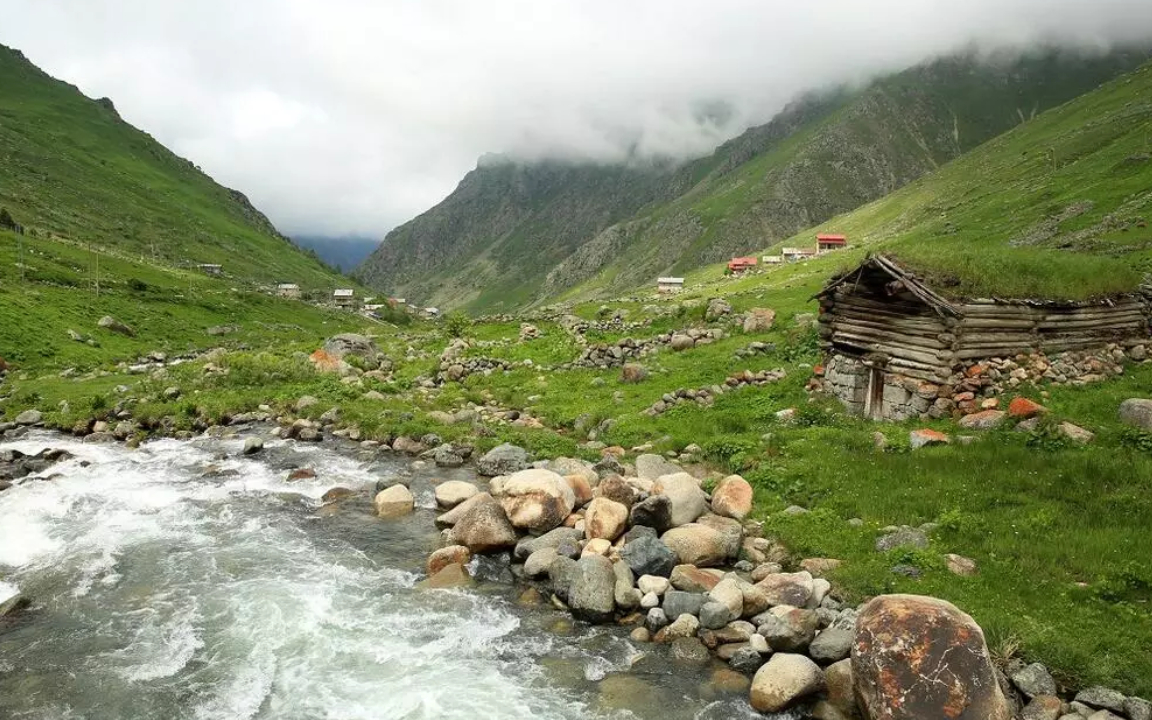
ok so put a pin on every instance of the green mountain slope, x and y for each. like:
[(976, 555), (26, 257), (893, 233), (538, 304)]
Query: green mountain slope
[(823, 155), (71, 169)]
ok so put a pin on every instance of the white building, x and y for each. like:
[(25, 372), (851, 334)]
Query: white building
[(288, 290), (669, 285), (343, 297)]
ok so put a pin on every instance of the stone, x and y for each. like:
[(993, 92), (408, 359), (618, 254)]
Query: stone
[(696, 544), (656, 620), (484, 527), (337, 493), (502, 460), (717, 308), (252, 445), (746, 660), (689, 650), (918, 657), (759, 643), (783, 681), (450, 576), (110, 323), (1022, 408), (1138, 709), (923, 438), (903, 537), (794, 589), (640, 635), (360, 346), (690, 578), (838, 687), (1042, 707), (654, 512), (680, 342), (561, 573), (788, 629), (684, 626), (537, 500), (960, 565), (653, 584), (633, 373), (688, 500), (446, 556), (984, 420), (649, 556), (649, 600), (605, 518), (652, 467), (452, 493), (715, 615), (551, 539), (1075, 433), (1137, 412), (447, 456), (818, 567), (582, 491), (677, 603), (30, 417), (729, 681), (592, 593), (453, 516), (537, 563), (732, 498), (596, 546), (627, 597), (300, 474), (617, 490), (728, 593), (1101, 698), (394, 502), (831, 645), (759, 320)]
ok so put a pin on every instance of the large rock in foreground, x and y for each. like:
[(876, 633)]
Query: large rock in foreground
[(784, 680), (919, 657), (484, 527), (537, 500), (1137, 412), (394, 502), (502, 460), (591, 594), (688, 500)]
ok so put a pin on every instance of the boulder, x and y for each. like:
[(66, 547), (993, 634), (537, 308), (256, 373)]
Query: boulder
[(925, 437), (746, 660), (336, 493), (690, 578), (452, 575), (1033, 680), (794, 589), (484, 527), (502, 460), (1137, 412), (784, 680), (394, 502), (960, 565), (538, 562), (452, 493), (633, 373), (359, 346), (651, 467), (30, 417), (605, 518), (684, 626), (654, 512), (110, 323), (788, 629), (654, 584), (453, 516), (731, 532), (591, 595), (616, 489), (1101, 698), (832, 645), (1042, 707), (688, 500), (919, 657), (680, 342), (732, 498), (838, 688), (1024, 409), (1075, 433), (677, 603), (625, 593), (252, 445), (551, 539), (582, 491), (903, 537), (717, 308), (649, 556), (537, 500), (696, 544), (445, 556), (759, 320), (561, 573), (984, 420)]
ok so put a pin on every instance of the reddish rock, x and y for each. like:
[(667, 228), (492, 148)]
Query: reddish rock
[(580, 488), (920, 438), (326, 362), (1022, 408), (976, 371), (732, 498), (919, 657), (336, 493), (301, 474), (446, 556)]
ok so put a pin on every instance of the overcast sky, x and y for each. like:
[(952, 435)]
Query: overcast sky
[(351, 116)]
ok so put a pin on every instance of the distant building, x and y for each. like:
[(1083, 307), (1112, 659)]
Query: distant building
[(827, 243), (210, 269), (796, 254), (741, 264), (669, 285), (288, 290), (772, 259), (343, 297)]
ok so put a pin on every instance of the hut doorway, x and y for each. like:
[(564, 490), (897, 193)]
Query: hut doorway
[(874, 408)]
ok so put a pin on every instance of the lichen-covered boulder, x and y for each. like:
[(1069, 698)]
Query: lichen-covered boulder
[(484, 527), (919, 657), (537, 500)]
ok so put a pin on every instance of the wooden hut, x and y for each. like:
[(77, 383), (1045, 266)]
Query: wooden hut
[(891, 341)]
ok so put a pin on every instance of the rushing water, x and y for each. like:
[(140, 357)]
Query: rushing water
[(182, 581)]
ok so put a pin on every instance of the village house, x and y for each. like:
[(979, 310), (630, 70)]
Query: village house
[(288, 290), (772, 259), (796, 254), (828, 243), (893, 345), (669, 285), (738, 265), (343, 297), (210, 269)]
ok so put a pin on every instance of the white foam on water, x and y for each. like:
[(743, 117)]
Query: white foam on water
[(8, 590), (206, 599)]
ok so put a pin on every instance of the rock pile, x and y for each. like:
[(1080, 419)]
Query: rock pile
[(705, 396), (528, 332), (755, 348), (607, 355)]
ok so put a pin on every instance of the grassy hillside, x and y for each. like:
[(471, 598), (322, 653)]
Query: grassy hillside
[(72, 169), (524, 234)]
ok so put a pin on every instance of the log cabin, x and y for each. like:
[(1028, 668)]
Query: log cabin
[(890, 341)]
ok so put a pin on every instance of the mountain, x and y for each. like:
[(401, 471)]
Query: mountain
[(72, 169), (514, 234), (343, 253)]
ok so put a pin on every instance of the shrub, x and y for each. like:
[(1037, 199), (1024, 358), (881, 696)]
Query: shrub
[(456, 323)]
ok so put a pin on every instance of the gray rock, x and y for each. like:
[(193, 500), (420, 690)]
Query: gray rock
[(359, 346), (110, 323), (502, 460), (714, 615), (539, 562), (656, 619), (717, 308), (553, 538), (624, 592), (649, 556), (831, 646), (650, 467), (1137, 412), (1102, 698), (690, 650), (789, 631), (592, 594), (654, 512), (30, 417), (13, 605), (1034, 680), (561, 573), (677, 603), (253, 445), (446, 455), (904, 537), (746, 660), (1138, 709)]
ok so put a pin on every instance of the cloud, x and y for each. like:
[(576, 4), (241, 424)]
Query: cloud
[(351, 116)]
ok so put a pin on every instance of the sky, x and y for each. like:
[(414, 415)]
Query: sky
[(348, 117)]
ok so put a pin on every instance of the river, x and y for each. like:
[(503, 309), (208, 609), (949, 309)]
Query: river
[(182, 581)]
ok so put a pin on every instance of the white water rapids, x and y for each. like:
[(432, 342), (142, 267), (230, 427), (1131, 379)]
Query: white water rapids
[(161, 593)]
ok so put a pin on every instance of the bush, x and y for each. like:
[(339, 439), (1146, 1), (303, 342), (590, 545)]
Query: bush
[(456, 324), (137, 285)]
